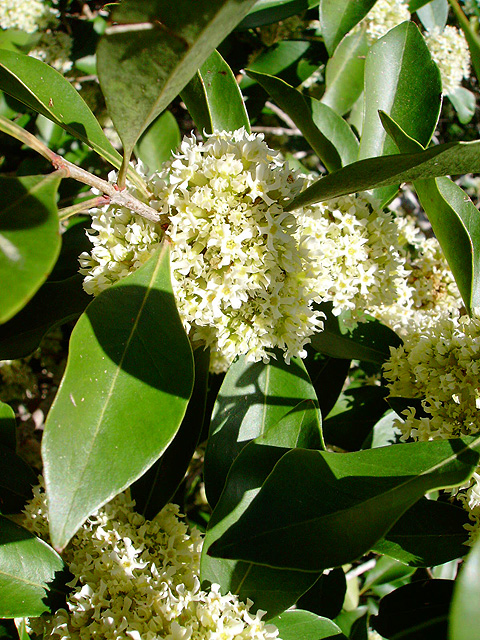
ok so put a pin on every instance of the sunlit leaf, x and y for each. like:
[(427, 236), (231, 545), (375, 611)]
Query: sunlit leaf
[(307, 515), (464, 613), (29, 238), (28, 566), (124, 394), (337, 18), (156, 144), (305, 625), (139, 82), (213, 97)]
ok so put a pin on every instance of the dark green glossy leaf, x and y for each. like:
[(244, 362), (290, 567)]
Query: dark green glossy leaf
[(328, 377), (16, 480), (8, 427), (374, 487), (128, 380), (253, 397), (337, 18), (156, 144), (29, 238), (213, 97), (326, 596), (345, 73), (414, 5), (369, 341), (326, 132), (354, 415), (464, 613), (454, 220), (415, 611), (439, 160), (45, 90), (305, 625), (28, 566), (157, 486), (269, 11), (402, 80), (270, 589), (279, 59), (139, 82), (54, 303), (429, 533), (470, 35), (464, 103)]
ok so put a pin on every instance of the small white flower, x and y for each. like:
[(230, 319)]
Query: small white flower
[(450, 51)]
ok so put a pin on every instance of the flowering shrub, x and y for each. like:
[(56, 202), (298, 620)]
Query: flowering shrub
[(139, 578), (220, 297)]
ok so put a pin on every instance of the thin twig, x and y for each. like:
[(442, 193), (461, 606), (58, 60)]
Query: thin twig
[(281, 114), (277, 131), (119, 196), (80, 207)]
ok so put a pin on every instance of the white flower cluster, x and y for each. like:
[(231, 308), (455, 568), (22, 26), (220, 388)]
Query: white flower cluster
[(449, 50), (54, 48), (441, 365), (139, 579), (428, 292), (354, 247), (122, 242), (383, 16), (241, 281), (244, 271), (26, 15)]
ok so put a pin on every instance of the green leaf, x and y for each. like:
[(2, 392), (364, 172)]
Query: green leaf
[(415, 611), (29, 238), (454, 220), (130, 363), (270, 589), (415, 5), (434, 15), (270, 11), (354, 415), (328, 378), (337, 18), (307, 515), (386, 575), (147, 58), (344, 73), (402, 80), (464, 613), (213, 98), (281, 59), (16, 481), (470, 35), (440, 160), (157, 486), (369, 341), (326, 596), (156, 144), (326, 132), (305, 625), (54, 303), (464, 103), (253, 397), (8, 427), (46, 91), (428, 534), (28, 566), (385, 432)]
